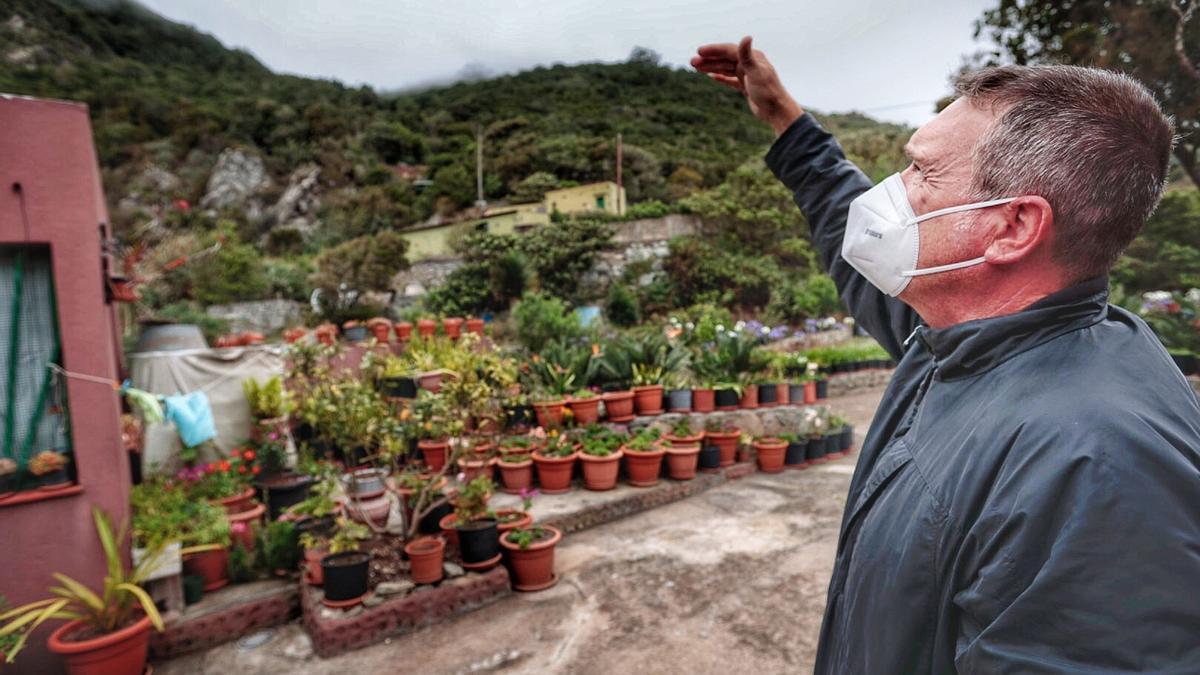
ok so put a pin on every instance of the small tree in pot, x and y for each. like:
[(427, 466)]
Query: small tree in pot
[(345, 569), (478, 538)]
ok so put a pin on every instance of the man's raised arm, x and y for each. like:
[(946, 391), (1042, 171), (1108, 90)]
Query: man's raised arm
[(812, 165)]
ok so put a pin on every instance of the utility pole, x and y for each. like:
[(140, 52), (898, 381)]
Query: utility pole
[(620, 196), (480, 202)]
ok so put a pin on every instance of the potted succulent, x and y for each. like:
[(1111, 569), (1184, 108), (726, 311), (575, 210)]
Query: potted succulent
[(643, 457), (648, 389), (725, 436), (381, 328), (478, 538), (425, 556), (346, 569), (8, 476), (683, 435), (50, 469), (555, 462), (600, 455), (108, 629), (770, 451), (516, 471), (585, 407), (531, 556)]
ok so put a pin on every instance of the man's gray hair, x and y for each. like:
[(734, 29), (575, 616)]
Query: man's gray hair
[(1092, 142)]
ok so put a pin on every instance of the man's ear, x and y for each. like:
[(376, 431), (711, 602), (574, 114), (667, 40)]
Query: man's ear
[(1026, 226)]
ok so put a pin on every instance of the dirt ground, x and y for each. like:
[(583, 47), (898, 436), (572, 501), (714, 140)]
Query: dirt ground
[(731, 580)]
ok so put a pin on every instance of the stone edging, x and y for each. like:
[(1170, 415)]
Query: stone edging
[(185, 634), (843, 384)]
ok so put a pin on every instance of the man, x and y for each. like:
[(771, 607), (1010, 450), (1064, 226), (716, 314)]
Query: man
[(1028, 496)]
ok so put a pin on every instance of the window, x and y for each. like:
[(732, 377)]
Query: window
[(35, 438), (600, 202)]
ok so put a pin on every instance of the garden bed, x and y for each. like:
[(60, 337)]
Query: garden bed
[(225, 615)]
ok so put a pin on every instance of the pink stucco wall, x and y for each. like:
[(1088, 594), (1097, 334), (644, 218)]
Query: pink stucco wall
[(46, 147)]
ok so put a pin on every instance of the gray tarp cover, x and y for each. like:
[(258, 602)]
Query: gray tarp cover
[(219, 372)]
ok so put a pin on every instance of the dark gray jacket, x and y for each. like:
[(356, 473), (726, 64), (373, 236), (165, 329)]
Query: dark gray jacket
[(1027, 499)]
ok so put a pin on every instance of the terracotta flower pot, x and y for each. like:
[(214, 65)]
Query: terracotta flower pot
[(449, 531), (474, 468), (682, 461), (453, 326), (434, 452), (426, 327), (783, 397), (648, 400), (242, 501), (749, 399), (122, 652), (703, 400), (726, 442), (533, 566), (425, 555), (293, 335), (403, 330), (549, 413), (521, 519), (327, 333), (600, 473), (370, 511), (314, 574), (619, 405), (249, 520), (554, 473), (475, 325), (643, 467), (431, 382), (586, 410), (810, 392), (210, 565), (381, 329), (770, 453), (516, 476), (684, 441)]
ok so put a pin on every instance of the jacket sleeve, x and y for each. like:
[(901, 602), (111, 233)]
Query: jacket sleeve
[(823, 182), (1085, 564)]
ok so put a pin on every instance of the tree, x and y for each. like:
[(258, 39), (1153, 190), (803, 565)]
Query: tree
[(534, 187), (750, 209), (1155, 41), (395, 142), (351, 268)]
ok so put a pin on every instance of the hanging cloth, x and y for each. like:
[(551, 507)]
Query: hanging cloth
[(192, 417), (144, 401)]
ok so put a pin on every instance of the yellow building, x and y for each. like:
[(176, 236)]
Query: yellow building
[(436, 241)]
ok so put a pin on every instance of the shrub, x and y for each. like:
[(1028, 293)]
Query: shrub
[(542, 319), (621, 307), (359, 265), (234, 273)]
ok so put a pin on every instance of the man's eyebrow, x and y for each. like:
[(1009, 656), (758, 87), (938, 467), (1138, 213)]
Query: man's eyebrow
[(909, 152)]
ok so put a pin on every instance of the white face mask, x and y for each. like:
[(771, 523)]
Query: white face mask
[(882, 240)]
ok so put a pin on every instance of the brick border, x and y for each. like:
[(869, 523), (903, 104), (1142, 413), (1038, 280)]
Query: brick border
[(185, 634), (403, 614)]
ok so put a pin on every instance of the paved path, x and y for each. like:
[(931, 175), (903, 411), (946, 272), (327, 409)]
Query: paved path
[(731, 580)]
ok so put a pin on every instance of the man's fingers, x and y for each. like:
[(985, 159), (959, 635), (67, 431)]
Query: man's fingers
[(728, 81), (720, 50), (721, 66), (745, 52)]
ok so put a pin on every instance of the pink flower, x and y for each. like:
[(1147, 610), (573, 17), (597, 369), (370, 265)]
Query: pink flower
[(462, 477), (238, 527), (273, 436)]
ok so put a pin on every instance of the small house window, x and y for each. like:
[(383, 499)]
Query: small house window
[(35, 436), (600, 202)]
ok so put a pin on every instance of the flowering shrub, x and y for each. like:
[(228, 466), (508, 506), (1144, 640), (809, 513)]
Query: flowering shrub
[(222, 478)]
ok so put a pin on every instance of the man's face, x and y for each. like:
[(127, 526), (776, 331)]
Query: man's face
[(939, 176)]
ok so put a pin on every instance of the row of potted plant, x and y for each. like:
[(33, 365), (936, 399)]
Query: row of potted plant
[(382, 329)]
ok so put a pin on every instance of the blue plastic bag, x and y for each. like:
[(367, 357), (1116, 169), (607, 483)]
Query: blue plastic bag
[(192, 417)]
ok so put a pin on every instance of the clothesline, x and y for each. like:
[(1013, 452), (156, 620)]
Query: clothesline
[(117, 385)]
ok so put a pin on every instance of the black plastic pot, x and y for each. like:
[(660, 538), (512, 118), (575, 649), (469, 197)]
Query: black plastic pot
[(431, 523), (398, 387), (833, 442), (355, 334), (847, 437), (518, 416), (318, 527), (710, 457), (303, 433), (768, 393), (346, 575), (796, 394), (679, 399), (797, 453), (815, 449), (281, 492), (193, 588), (725, 398), (478, 541), (822, 389)]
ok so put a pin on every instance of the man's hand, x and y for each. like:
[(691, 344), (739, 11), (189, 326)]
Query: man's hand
[(746, 69)]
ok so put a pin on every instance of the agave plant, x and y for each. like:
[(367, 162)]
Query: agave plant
[(645, 360), (105, 612)]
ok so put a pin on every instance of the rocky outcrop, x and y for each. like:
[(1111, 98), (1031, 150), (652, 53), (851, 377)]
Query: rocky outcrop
[(262, 316), (297, 206), (234, 180)]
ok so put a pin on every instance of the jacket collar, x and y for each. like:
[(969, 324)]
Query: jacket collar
[(973, 347)]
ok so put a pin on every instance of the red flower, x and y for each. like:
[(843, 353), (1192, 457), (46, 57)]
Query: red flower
[(248, 455), (254, 470), (225, 465), (242, 469)]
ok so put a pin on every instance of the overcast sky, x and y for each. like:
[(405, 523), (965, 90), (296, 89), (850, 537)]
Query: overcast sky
[(888, 58)]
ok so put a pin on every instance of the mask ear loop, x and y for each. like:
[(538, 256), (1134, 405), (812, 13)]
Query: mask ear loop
[(942, 212)]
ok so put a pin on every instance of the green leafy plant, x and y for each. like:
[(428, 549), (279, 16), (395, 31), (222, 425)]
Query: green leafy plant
[(104, 612), (682, 428), (268, 400), (280, 545), (524, 537), (558, 444), (472, 501), (348, 536), (645, 440), (542, 319)]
